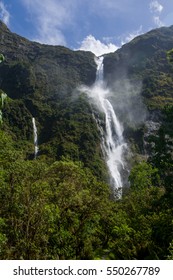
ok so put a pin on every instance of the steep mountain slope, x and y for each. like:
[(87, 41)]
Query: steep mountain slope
[(141, 79), (144, 60), (42, 82)]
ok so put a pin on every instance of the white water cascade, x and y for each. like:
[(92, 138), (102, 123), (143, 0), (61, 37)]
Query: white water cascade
[(35, 138), (113, 144)]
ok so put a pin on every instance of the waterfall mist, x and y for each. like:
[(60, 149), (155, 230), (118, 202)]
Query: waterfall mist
[(127, 101)]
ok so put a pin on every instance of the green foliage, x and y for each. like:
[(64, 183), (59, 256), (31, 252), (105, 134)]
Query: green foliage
[(49, 211), (60, 210), (170, 256), (129, 227), (170, 55), (143, 175), (162, 152)]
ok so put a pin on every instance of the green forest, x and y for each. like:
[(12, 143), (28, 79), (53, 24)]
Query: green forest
[(59, 205), (60, 210)]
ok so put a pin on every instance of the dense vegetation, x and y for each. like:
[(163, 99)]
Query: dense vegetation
[(59, 206), (62, 211)]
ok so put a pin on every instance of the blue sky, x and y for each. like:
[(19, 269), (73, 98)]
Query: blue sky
[(97, 25)]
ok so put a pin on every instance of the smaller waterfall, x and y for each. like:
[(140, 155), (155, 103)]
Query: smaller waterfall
[(35, 138)]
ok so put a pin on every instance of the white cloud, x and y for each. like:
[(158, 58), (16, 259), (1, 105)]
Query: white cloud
[(50, 19), (156, 7), (49, 35), (100, 48), (131, 36), (96, 46), (124, 38), (157, 21), (4, 14)]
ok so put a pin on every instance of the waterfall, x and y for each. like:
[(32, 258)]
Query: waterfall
[(113, 144), (35, 138)]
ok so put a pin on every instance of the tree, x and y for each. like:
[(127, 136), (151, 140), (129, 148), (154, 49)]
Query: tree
[(48, 212), (143, 175), (170, 55), (78, 201), (162, 152)]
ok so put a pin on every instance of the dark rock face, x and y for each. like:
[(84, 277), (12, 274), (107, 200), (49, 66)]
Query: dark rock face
[(49, 70)]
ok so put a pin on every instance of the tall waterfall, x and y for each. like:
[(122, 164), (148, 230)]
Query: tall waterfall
[(113, 144), (35, 138)]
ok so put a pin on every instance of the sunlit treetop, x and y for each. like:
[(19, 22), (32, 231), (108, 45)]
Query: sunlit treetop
[(170, 55)]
